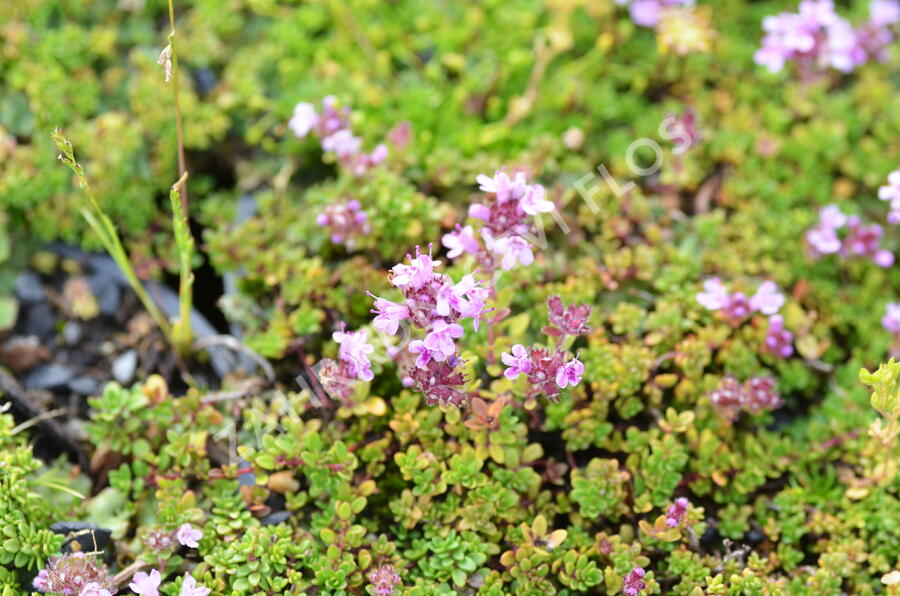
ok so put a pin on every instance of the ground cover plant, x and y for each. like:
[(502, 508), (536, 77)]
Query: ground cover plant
[(414, 298)]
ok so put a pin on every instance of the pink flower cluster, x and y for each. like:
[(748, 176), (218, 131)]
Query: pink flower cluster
[(677, 512), (338, 379), (384, 580), (816, 38), (147, 584), (332, 127), (547, 371), (891, 319), (736, 306), (646, 13), (891, 192), (858, 240), (634, 582), (345, 222), (435, 304), (756, 395), (75, 574), (503, 222), (779, 341), (186, 535), (567, 320)]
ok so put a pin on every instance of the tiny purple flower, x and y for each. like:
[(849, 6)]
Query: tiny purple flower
[(779, 341), (146, 584), (518, 362), (415, 275), (417, 346), (714, 295), (767, 299), (634, 582), (459, 241), (891, 319), (190, 587), (884, 12), (677, 512), (569, 373), (512, 249), (534, 201), (389, 315), (304, 119), (188, 536), (440, 339), (354, 352), (384, 580), (94, 589), (738, 308)]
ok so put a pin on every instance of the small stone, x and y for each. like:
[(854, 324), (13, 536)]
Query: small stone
[(29, 288), (123, 367), (21, 354), (84, 386), (71, 333), (107, 292), (275, 518), (49, 376), (40, 321)]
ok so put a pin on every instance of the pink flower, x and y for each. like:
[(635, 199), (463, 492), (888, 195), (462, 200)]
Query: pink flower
[(345, 222), (767, 299), (94, 589), (569, 373), (815, 38), (728, 398), (518, 362), (534, 201), (738, 308), (891, 192), (822, 240), (469, 299), (634, 582), (389, 315), (188, 536), (440, 339), (883, 258), (568, 320), (343, 143), (761, 395), (778, 339), (417, 346), (304, 119), (891, 319), (714, 295), (379, 154), (419, 271), (504, 187), (384, 580), (479, 211), (354, 352), (677, 512), (190, 587), (144, 584), (884, 12), (831, 216), (460, 241), (40, 582), (512, 249)]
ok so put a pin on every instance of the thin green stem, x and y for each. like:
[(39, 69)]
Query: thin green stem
[(182, 334), (106, 231), (182, 167)]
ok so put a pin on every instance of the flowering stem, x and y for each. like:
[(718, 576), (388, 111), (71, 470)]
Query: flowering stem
[(182, 168), (105, 229)]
